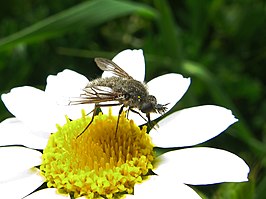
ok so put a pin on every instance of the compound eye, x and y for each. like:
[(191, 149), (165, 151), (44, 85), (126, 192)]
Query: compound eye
[(147, 108), (152, 99)]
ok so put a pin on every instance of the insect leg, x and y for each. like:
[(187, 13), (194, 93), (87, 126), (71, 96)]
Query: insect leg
[(134, 111), (148, 119), (120, 111), (94, 113), (128, 112)]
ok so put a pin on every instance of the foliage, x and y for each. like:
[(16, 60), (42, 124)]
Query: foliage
[(220, 44)]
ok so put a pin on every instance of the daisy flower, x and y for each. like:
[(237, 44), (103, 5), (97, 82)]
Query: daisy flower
[(103, 163)]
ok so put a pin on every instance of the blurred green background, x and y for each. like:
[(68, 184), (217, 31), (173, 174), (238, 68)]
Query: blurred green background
[(220, 44)]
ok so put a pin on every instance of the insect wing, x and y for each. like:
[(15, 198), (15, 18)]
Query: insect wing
[(108, 65), (97, 95)]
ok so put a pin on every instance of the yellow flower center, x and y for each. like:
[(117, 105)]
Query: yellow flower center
[(102, 161)]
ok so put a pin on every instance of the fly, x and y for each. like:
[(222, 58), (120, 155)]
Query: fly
[(117, 90)]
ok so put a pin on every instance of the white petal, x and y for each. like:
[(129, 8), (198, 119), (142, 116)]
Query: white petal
[(14, 132), (192, 126), (16, 159), (131, 61), (64, 86), (22, 186), (162, 187), (49, 193), (34, 108), (75, 111), (168, 89), (202, 165)]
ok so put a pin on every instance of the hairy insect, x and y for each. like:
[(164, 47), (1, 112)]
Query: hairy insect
[(120, 89)]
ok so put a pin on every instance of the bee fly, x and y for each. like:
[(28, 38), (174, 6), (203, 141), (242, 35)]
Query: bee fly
[(120, 89)]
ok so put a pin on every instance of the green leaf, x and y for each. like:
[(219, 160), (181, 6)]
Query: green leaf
[(169, 32), (235, 191), (89, 14)]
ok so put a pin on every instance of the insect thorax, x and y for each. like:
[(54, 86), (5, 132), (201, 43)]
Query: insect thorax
[(134, 92)]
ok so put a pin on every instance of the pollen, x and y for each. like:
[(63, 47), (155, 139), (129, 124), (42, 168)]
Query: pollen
[(104, 161)]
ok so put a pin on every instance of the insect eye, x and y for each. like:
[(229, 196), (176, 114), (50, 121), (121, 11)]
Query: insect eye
[(152, 99), (147, 108)]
